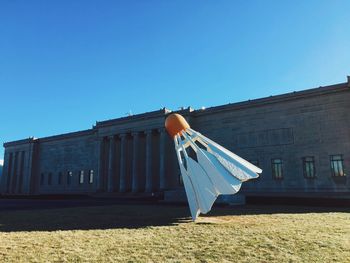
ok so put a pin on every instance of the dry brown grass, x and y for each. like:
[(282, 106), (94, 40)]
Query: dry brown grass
[(154, 233)]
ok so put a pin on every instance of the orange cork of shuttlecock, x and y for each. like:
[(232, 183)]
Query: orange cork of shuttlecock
[(175, 124)]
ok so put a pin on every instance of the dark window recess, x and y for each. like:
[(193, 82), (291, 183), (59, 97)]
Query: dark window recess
[(59, 178), (277, 168), (49, 179), (309, 167), (42, 179), (69, 178), (337, 165)]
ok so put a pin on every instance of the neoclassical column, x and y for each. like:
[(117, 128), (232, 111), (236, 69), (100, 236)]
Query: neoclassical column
[(135, 180), (9, 173), (27, 169), (14, 173), (100, 164), (123, 145), (5, 174), (162, 182), (149, 183), (111, 152), (19, 182)]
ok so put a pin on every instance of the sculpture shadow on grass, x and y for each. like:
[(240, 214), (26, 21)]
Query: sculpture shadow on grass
[(90, 218), (131, 216)]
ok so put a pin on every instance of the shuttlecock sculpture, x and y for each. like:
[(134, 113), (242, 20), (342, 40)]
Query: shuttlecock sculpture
[(207, 169)]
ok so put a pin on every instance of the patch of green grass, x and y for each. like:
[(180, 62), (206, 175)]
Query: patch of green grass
[(155, 233)]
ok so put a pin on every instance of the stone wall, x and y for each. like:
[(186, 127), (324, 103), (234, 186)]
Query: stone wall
[(134, 154), (18, 167), (316, 125), (62, 160)]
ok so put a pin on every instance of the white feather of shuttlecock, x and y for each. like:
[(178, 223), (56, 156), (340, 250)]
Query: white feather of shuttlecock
[(216, 171)]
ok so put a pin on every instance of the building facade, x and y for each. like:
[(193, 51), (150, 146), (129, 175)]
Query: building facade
[(301, 140)]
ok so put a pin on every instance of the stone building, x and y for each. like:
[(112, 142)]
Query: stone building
[(301, 140)]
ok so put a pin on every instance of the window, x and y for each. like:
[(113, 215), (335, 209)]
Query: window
[(59, 178), (42, 179), (277, 168), (309, 167), (69, 177), (49, 179), (81, 177), (337, 166), (91, 176)]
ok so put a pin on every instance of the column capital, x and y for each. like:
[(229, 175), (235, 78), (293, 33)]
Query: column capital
[(122, 135), (161, 130), (135, 133), (147, 132)]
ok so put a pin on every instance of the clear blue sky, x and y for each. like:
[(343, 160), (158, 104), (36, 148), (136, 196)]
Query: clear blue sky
[(65, 64)]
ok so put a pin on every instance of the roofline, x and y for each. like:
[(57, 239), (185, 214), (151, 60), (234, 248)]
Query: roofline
[(148, 115), (19, 142), (341, 87), (137, 117), (277, 98), (67, 135), (50, 138)]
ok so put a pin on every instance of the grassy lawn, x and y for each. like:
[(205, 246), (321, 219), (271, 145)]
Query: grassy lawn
[(155, 233)]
